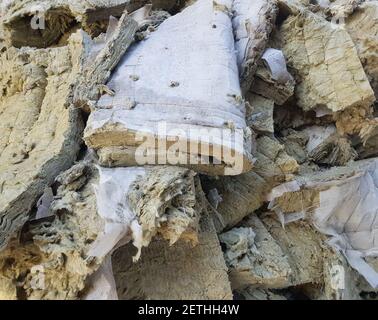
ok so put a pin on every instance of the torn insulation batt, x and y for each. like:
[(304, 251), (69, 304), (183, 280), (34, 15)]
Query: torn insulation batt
[(199, 91), (191, 150)]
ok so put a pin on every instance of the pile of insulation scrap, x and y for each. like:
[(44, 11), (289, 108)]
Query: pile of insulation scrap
[(188, 149)]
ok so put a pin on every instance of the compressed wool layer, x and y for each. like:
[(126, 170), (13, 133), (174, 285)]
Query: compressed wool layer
[(327, 68), (175, 272), (44, 23), (50, 260), (362, 26), (39, 128)]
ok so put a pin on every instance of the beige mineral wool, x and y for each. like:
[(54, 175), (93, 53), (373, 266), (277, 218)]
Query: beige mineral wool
[(139, 203), (57, 249), (272, 79), (271, 256), (362, 26), (272, 149), (103, 58), (260, 113), (245, 193), (268, 87), (254, 258), (341, 9), (334, 204), (295, 142), (42, 23), (369, 138), (253, 293), (174, 272), (167, 201), (50, 260), (40, 127), (304, 248), (325, 61)]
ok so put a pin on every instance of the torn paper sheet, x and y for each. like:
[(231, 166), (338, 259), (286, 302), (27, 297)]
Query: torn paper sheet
[(349, 214), (112, 206), (102, 284)]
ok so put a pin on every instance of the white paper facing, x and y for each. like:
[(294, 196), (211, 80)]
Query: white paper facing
[(181, 82), (349, 213)]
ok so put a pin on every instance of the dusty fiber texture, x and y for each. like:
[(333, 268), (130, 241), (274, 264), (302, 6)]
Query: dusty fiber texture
[(174, 272), (42, 23), (40, 127), (363, 29), (326, 64), (188, 149), (50, 259)]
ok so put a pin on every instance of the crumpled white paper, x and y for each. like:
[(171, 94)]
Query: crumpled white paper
[(112, 206), (121, 226), (348, 212)]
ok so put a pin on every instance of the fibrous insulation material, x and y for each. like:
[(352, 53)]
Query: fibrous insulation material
[(202, 85), (252, 22), (347, 211)]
